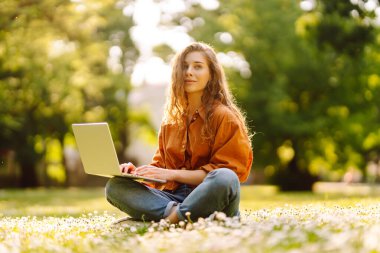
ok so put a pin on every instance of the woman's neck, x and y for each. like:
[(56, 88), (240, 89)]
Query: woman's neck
[(195, 101)]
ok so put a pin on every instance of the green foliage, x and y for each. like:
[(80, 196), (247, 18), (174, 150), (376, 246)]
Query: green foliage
[(346, 34), (344, 26), (309, 97), (53, 72)]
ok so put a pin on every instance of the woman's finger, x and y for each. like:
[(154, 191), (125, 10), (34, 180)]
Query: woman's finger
[(126, 167), (121, 168)]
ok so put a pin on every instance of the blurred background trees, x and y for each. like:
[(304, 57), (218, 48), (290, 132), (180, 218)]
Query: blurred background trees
[(60, 62), (307, 73), (312, 94)]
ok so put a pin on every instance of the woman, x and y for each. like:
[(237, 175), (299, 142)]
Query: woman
[(204, 148)]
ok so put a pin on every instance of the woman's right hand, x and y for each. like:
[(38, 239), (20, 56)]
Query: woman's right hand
[(127, 168)]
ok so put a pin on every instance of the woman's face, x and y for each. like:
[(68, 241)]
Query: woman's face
[(197, 72)]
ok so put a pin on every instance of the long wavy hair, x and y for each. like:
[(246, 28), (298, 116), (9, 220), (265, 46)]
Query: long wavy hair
[(215, 90)]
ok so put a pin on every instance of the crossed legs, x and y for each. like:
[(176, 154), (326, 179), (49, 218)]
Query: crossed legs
[(219, 191)]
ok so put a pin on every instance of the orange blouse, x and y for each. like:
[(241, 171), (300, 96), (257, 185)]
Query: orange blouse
[(182, 147)]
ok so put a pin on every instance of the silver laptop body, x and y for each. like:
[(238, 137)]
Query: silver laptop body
[(97, 151)]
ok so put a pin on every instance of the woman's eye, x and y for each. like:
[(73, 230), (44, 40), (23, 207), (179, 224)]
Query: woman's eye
[(198, 67)]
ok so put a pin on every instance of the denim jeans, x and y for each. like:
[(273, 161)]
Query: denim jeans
[(219, 191)]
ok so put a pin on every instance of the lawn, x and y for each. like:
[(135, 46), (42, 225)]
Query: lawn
[(80, 220)]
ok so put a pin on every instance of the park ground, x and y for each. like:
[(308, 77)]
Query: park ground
[(80, 220)]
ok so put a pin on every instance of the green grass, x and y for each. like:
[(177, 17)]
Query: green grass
[(53, 202), (78, 201), (80, 220), (260, 197)]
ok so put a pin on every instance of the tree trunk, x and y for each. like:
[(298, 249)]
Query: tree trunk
[(28, 175), (294, 178), (27, 159)]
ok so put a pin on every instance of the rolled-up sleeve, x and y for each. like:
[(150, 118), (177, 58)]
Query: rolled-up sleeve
[(231, 149)]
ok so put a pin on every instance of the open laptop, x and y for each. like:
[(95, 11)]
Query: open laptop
[(97, 151)]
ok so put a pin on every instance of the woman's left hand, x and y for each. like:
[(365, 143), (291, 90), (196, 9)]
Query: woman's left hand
[(155, 172)]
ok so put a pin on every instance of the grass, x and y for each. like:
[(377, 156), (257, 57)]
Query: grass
[(79, 220), (53, 202)]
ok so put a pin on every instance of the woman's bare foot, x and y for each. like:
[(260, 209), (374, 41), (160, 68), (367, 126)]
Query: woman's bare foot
[(173, 217)]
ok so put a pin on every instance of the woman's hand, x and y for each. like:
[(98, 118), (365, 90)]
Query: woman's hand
[(155, 172), (127, 168)]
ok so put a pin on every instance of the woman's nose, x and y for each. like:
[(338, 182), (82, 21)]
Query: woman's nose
[(189, 71)]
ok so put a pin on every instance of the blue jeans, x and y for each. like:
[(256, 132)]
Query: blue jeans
[(219, 191)]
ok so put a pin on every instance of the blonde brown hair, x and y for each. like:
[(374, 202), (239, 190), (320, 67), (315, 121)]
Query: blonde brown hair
[(215, 90)]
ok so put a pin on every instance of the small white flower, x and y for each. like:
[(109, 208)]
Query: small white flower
[(189, 226), (221, 216)]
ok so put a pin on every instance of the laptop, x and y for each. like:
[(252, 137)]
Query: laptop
[(98, 154)]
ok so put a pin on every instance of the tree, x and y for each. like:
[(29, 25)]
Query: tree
[(353, 75), (307, 105), (54, 71)]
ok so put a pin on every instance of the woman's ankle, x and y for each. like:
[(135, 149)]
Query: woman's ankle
[(173, 217)]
